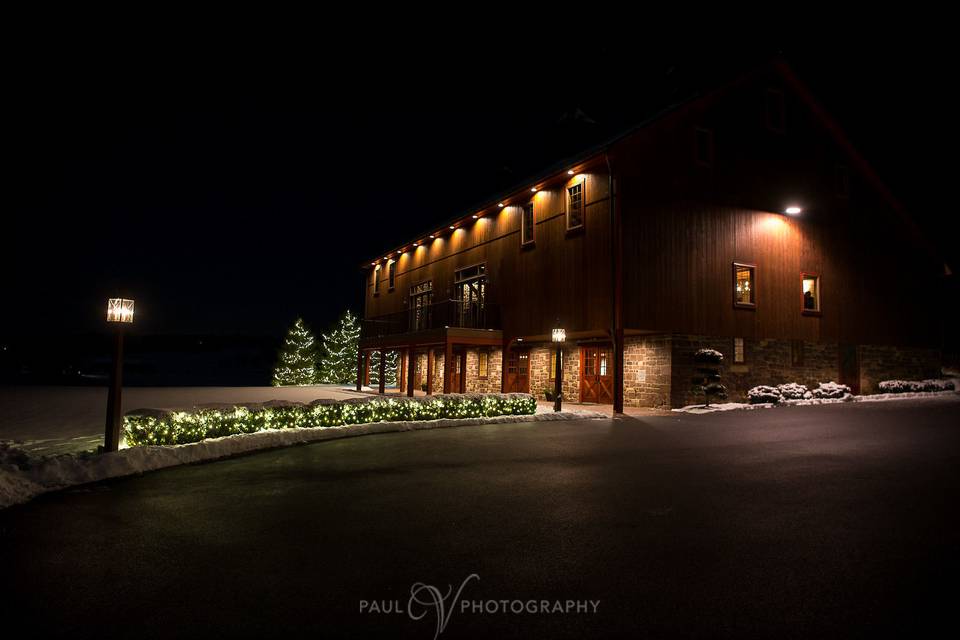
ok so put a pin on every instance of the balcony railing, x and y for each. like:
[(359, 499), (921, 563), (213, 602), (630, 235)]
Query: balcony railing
[(449, 313)]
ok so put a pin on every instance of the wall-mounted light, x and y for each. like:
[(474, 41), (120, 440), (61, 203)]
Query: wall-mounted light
[(793, 210), (500, 205), (533, 189), (475, 216), (452, 226), (570, 172), (432, 236)]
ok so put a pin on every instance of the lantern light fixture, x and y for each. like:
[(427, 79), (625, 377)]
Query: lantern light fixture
[(119, 310), (559, 335)]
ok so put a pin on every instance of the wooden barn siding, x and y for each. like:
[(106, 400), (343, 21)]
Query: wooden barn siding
[(563, 275)]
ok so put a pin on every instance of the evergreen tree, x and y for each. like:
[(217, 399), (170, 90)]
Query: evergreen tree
[(706, 378), (296, 362), (390, 366), (338, 352)]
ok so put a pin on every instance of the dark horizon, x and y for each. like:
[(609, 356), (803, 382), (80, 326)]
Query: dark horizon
[(232, 205)]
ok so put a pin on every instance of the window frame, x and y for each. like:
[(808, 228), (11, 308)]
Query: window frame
[(483, 364), (582, 183), (376, 280), (753, 277), (703, 162), (391, 275), (810, 275), (526, 242), (778, 100)]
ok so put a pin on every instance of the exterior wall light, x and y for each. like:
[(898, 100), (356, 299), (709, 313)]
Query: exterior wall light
[(500, 204), (570, 172), (793, 210)]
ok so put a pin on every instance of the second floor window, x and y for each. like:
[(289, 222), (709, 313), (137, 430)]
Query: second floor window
[(575, 206), (421, 299), (810, 289), (744, 285), (527, 225), (392, 273), (470, 286), (376, 280), (483, 361)]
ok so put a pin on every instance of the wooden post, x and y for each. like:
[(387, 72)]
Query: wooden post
[(447, 368), (111, 436), (383, 371), (429, 372), (402, 373), (360, 360), (463, 371), (366, 368), (411, 370), (558, 380)]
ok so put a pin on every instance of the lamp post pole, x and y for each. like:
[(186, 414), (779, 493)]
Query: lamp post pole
[(119, 313), (559, 336)]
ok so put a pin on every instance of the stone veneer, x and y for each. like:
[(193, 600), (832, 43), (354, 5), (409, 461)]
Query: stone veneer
[(540, 378), (646, 371), (494, 379), (879, 362)]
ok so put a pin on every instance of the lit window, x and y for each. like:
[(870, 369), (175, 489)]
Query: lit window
[(744, 285), (392, 273), (775, 112), (704, 147), (810, 289), (527, 224), (553, 364), (575, 206), (482, 361), (738, 355), (603, 363), (376, 280)]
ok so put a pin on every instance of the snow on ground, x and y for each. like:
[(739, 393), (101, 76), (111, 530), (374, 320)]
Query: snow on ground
[(23, 477), (49, 421), (878, 397)]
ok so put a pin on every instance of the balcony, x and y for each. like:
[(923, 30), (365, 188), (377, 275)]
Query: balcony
[(440, 315)]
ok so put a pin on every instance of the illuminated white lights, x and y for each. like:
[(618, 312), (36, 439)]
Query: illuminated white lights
[(559, 335), (432, 236), (453, 226), (570, 172), (119, 310), (793, 210), (533, 189), (475, 216), (500, 204)]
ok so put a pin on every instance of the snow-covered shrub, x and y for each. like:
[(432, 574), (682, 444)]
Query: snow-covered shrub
[(906, 386), (763, 394), (793, 391), (706, 378), (830, 390), (152, 427)]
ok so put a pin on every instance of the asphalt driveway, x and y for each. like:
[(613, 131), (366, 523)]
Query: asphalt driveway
[(830, 521)]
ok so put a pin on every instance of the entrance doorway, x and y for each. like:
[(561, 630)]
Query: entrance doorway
[(850, 367), (596, 374), (457, 378), (517, 378)]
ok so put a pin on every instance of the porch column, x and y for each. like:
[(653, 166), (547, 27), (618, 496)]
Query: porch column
[(411, 370), (430, 371), (463, 371), (366, 368), (402, 373), (383, 370), (359, 369), (447, 362)]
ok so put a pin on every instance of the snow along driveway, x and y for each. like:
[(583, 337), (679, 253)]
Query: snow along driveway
[(54, 420)]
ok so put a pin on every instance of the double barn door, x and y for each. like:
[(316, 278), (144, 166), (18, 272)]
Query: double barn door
[(596, 374)]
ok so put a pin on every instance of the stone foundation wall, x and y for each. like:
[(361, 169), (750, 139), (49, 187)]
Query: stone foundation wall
[(878, 363), (540, 374), (438, 357), (494, 379), (765, 362), (647, 371)]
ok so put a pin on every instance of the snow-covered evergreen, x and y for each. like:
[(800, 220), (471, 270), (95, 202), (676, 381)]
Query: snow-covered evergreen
[(338, 352), (296, 363)]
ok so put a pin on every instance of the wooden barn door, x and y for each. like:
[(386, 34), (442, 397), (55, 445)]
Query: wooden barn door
[(850, 367), (596, 374), (517, 379), (457, 377)]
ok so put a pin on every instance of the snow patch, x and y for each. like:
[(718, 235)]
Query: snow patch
[(23, 478)]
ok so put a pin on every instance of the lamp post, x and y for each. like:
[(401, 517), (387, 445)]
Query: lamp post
[(559, 336), (119, 313)]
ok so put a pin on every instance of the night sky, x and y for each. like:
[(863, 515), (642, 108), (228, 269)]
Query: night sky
[(230, 192)]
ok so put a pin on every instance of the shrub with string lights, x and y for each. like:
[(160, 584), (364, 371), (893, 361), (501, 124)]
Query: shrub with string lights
[(157, 427)]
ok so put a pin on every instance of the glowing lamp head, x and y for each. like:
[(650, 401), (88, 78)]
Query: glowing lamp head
[(793, 210), (559, 335), (533, 189), (475, 216), (432, 236), (570, 172), (119, 310), (500, 204), (452, 227)]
